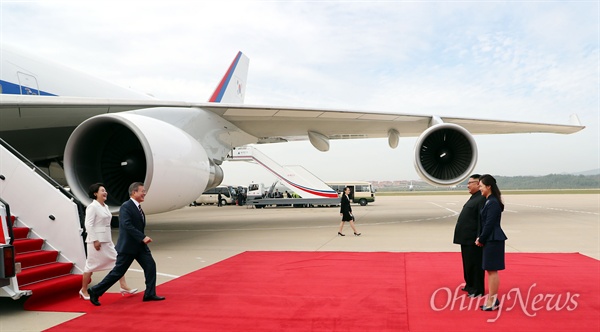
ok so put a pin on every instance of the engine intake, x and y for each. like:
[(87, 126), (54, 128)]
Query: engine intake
[(445, 154), (119, 149)]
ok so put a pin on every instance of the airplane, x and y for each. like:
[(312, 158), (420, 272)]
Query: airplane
[(100, 132)]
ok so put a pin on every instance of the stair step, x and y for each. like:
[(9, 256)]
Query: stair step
[(68, 284), (26, 245), (43, 272), (35, 258), (20, 232)]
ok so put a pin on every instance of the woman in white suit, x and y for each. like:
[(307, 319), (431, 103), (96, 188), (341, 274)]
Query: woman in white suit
[(100, 248)]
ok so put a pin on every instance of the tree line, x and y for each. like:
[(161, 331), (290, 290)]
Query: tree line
[(550, 181)]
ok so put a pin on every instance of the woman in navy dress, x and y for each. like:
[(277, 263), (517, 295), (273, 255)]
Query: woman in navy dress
[(491, 238), (346, 212)]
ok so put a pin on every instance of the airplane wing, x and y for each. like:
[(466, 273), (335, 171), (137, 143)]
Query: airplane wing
[(271, 123), (177, 147)]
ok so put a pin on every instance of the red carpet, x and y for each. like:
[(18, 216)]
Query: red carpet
[(542, 292), (69, 302), (342, 291)]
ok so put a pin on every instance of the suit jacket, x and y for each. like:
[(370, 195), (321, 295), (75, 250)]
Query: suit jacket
[(131, 229), (97, 223), (345, 205), (468, 226), (490, 221)]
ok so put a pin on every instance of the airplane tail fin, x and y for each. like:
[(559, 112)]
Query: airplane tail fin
[(232, 87)]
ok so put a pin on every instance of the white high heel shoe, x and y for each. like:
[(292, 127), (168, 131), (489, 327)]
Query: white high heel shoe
[(131, 291), (87, 298)]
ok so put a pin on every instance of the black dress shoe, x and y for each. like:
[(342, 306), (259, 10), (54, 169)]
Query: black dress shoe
[(474, 295), (340, 234), (153, 298), (93, 297)]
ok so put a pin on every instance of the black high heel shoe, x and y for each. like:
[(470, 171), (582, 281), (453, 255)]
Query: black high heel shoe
[(492, 308), (357, 234), (340, 234)]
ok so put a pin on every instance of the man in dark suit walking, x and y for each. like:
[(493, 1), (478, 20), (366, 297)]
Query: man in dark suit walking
[(465, 234), (131, 245)]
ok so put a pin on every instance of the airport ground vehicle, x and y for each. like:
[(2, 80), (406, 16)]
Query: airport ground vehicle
[(256, 190), (276, 190), (211, 196), (361, 192)]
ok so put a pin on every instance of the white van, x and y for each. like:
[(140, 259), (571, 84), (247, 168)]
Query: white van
[(361, 192), (211, 196)]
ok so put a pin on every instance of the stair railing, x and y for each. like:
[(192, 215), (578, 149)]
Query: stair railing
[(9, 225), (37, 170)]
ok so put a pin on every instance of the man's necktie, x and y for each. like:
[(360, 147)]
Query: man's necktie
[(142, 213)]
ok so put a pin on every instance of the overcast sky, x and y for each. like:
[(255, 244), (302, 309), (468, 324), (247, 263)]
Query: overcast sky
[(519, 60)]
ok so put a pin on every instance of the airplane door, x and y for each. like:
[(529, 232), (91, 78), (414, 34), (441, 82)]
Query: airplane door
[(29, 85)]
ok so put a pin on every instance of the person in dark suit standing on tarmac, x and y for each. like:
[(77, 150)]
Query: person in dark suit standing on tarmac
[(492, 238), (346, 212), (131, 245), (466, 231)]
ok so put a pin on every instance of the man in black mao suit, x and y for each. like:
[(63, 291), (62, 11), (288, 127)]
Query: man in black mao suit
[(465, 234), (131, 245)]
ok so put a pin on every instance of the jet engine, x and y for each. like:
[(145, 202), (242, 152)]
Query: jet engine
[(119, 149), (445, 154)]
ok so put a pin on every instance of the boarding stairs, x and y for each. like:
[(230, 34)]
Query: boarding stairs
[(295, 178), (44, 223)]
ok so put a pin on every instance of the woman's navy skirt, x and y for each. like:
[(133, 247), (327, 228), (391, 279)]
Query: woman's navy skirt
[(493, 256)]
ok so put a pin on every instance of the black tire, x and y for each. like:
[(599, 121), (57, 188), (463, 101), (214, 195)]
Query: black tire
[(362, 202)]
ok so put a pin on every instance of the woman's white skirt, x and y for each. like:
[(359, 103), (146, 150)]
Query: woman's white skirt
[(100, 260)]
